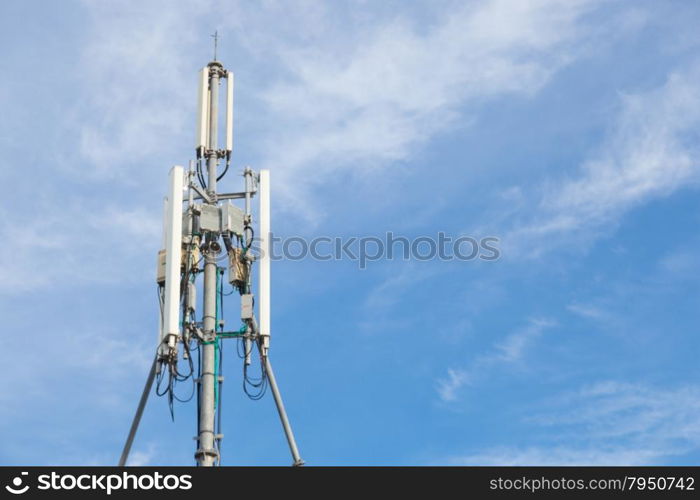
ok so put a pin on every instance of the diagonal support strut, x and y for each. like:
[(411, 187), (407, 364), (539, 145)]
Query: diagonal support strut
[(139, 412)]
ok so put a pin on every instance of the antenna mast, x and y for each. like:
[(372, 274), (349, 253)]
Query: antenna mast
[(194, 228), (215, 36)]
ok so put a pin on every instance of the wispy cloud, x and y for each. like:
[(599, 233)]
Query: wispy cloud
[(120, 132), (141, 458), (363, 103), (101, 354), (390, 290), (449, 387), (137, 65), (362, 106), (558, 456), (587, 311), (628, 306), (651, 151), (607, 423), (513, 346), (52, 246), (506, 351)]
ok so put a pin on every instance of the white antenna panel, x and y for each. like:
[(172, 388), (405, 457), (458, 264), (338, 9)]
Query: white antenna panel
[(229, 111), (264, 284), (202, 110), (163, 243), (173, 249)]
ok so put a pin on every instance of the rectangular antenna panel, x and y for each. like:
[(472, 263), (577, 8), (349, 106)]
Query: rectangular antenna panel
[(160, 270), (173, 252), (264, 285), (229, 111), (201, 139)]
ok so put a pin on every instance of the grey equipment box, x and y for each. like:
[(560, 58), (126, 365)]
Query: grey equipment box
[(232, 219), (209, 218), (246, 306)]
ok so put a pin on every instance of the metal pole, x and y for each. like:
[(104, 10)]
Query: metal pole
[(247, 175), (139, 412), (206, 454), (281, 411), (213, 159)]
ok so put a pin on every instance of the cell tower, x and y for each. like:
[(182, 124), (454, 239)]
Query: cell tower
[(197, 219)]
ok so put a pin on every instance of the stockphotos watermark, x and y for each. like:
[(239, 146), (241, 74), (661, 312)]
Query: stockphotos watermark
[(366, 249), (103, 482)]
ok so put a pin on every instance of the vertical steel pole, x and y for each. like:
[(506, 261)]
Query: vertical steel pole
[(248, 175), (206, 454), (213, 158)]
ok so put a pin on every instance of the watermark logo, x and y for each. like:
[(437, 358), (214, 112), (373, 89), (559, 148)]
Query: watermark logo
[(101, 482), (114, 482), (366, 249), (16, 488)]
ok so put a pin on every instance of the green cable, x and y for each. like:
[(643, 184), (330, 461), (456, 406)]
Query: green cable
[(216, 345), (216, 373), (233, 334), (236, 333)]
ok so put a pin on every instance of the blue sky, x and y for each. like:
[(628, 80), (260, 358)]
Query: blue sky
[(568, 129)]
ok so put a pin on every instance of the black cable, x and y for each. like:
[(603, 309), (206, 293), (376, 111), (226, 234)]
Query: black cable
[(189, 398), (223, 173), (159, 379), (252, 237), (180, 377), (244, 354), (200, 176), (257, 383), (238, 348), (171, 404)]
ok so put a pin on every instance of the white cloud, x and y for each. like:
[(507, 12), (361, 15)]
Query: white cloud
[(80, 243), (650, 152), (507, 351), (120, 129), (587, 311), (447, 389), (608, 423), (142, 458), (557, 456), (513, 346), (349, 108), (136, 66), (614, 409), (681, 263), (390, 290), (331, 106)]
